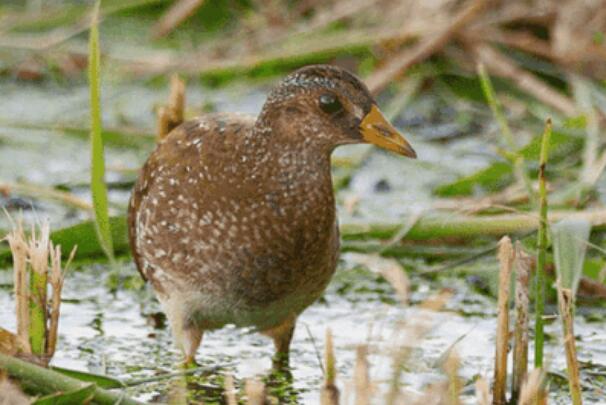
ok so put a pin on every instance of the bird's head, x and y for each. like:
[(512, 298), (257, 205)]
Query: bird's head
[(327, 106)]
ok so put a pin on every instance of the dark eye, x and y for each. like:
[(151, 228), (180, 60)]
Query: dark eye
[(330, 103)]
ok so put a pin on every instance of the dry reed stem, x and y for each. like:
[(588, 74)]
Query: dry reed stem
[(533, 392), (503, 66), (176, 14), (229, 390), (18, 245), (37, 264), (162, 123), (176, 100), (255, 392), (361, 378), (173, 114), (425, 48), (56, 279), (482, 391), (566, 306), (329, 394), (524, 263), (506, 256)]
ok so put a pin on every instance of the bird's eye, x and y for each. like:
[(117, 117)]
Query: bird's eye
[(330, 103)]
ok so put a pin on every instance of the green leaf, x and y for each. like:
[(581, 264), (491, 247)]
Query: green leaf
[(98, 379), (98, 186), (490, 179), (570, 238), (79, 396)]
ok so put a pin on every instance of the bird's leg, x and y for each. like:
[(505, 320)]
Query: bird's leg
[(190, 341), (282, 336), (186, 334)]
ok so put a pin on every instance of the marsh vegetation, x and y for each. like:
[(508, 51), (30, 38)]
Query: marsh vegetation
[(485, 252)]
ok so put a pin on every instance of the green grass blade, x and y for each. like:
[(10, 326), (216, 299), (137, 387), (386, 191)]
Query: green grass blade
[(98, 186), (542, 248), (518, 160), (82, 395), (99, 380)]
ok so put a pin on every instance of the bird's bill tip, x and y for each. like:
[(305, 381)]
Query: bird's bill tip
[(378, 131)]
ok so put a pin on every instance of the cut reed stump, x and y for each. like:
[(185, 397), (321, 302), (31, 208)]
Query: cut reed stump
[(36, 265), (566, 306), (523, 267), (329, 395), (172, 115), (506, 258)]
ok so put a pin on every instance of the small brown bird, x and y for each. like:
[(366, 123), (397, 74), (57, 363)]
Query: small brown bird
[(233, 220)]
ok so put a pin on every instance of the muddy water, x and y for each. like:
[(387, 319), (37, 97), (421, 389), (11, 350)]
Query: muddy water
[(118, 333)]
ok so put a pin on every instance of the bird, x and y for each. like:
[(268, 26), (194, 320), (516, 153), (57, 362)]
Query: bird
[(232, 219)]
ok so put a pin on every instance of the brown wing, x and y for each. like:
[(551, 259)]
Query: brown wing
[(166, 153)]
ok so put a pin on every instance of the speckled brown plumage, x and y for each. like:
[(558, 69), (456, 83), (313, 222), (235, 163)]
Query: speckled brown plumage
[(233, 218)]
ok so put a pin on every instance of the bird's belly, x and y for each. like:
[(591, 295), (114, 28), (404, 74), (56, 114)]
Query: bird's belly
[(246, 302), (258, 287)]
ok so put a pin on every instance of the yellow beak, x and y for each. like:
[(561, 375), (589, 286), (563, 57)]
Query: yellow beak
[(378, 131)]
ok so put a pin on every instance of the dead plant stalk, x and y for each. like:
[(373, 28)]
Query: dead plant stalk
[(506, 257), (524, 263), (566, 306)]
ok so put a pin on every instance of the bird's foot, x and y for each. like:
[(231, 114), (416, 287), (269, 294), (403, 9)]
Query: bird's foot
[(189, 363), (280, 363)]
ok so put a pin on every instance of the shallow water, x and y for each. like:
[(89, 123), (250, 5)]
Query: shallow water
[(113, 333)]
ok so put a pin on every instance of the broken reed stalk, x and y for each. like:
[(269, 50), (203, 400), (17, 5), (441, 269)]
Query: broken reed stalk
[(36, 264), (18, 246), (56, 279), (173, 114), (520, 345), (495, 107), (506, 257), (361, 378), (566, 306), (541, 249), (329, 394)]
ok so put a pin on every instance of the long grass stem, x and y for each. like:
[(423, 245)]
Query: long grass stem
[(542, 248), (495, 107)]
